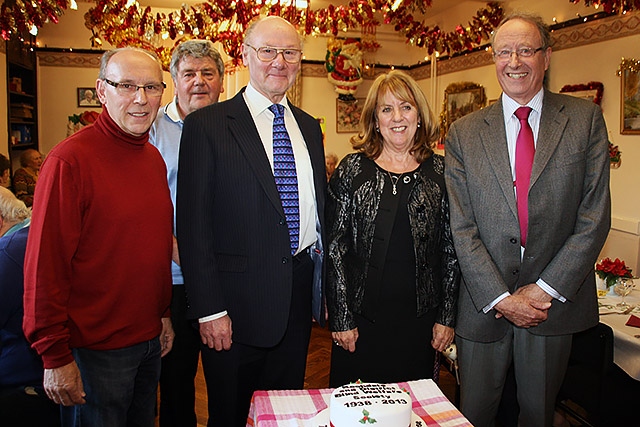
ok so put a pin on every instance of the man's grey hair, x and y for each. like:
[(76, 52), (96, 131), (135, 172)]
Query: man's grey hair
[(543, 29), (196, 49), (106, 57), (12, 209)]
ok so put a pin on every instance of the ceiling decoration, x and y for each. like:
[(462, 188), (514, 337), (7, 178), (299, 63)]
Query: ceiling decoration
[(226, 22), (125, 22)]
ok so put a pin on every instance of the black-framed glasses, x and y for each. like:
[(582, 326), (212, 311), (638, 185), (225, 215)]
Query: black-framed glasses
[(268, 53), (129, 89), (523, 52)]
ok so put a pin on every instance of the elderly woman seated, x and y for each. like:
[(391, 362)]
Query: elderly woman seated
[(25, 178), (23, 401)]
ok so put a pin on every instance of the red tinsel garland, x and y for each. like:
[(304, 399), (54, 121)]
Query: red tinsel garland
[(116, 24)]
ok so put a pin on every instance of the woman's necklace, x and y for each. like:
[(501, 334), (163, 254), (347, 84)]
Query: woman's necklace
[(394, 182)]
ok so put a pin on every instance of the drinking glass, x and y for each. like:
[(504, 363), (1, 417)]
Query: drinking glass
[(623, 287)]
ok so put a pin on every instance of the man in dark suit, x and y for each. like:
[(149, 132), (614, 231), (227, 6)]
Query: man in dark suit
[(245, 259), (528, 283)]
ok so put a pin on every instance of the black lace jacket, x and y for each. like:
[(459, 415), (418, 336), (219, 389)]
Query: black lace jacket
[(353, 198)]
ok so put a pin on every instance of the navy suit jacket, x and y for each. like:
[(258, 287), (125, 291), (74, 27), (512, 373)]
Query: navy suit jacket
[(232, 234)]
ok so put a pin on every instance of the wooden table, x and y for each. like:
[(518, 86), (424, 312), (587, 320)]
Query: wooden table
[(310, 408)]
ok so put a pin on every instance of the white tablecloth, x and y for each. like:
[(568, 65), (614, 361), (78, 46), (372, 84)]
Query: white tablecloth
[(626, 347)]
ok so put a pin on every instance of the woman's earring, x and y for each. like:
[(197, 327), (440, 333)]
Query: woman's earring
[(418, 124)]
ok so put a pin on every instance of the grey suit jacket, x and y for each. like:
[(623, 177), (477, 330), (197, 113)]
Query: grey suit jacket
[(569, 214), (231, 229)]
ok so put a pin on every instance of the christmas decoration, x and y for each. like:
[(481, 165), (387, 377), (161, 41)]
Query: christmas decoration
[(610, 271), (125, 23), (615, 156), (27, 16), (612, 6), (344, 66)]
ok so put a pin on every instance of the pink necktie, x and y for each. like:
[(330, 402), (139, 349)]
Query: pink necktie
[(525, 150)]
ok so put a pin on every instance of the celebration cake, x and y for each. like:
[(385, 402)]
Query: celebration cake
[(384, 405)]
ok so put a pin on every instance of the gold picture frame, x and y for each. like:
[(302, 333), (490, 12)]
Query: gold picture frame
[(460, 99), (348, 115), (630, 101)]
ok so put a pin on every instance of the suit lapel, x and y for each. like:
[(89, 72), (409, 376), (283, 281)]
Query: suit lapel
[(246, 136), (494, 141), (552, 124)]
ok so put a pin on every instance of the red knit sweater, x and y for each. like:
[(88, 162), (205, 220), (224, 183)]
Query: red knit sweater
[(97, 265)]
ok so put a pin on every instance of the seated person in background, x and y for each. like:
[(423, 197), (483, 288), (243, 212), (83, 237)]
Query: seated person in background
[(25, 178), (330, 162), (23, 401), (5, 170)]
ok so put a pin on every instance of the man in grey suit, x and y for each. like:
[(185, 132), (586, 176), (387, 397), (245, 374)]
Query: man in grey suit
[(251, 270), (526, 289)]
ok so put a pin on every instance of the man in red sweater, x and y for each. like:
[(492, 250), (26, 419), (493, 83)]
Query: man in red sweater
[(97, 265)]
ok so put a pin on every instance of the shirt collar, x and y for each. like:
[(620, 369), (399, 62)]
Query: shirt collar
[(17, 227), (509, 105), (171, 111), (258, 103)]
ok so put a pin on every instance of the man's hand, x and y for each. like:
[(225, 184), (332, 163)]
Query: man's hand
[(523, 311), (346, 340), (217, 333), (535, 292), (64, 385), (166, 336)]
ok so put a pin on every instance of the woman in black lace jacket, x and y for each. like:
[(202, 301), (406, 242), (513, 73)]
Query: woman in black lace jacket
[(393, 275)]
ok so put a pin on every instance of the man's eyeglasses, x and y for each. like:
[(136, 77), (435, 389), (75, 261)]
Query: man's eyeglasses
[(267, 53), (523, 52), (129, 89)]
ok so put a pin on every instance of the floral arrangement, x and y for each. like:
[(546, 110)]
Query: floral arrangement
[(615, 155), (610, 271), (78, 121)]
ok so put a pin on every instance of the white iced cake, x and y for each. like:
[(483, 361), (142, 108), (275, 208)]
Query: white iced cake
[(384, 405)]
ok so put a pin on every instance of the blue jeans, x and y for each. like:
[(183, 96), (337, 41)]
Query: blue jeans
[(120, 385)]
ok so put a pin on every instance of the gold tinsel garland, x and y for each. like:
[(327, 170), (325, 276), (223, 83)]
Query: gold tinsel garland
[(21, 16), (226, 23), (113, 21)]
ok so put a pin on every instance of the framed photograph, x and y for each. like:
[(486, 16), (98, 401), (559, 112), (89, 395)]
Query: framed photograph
[(591, 91), (460, 99), (630, 100), (348, 115), (87, 97)]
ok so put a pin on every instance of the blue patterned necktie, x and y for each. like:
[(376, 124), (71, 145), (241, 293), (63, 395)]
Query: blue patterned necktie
[(284, 172)]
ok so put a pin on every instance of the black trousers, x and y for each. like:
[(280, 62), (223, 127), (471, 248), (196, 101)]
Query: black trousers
[(179, 367), (232, 376)]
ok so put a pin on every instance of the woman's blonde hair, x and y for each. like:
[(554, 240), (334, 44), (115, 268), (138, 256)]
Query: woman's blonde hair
[(369, 141)]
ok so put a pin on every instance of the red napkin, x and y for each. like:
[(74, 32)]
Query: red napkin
[(633, 321)]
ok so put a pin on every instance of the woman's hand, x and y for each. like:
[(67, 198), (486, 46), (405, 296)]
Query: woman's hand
[(346, 340), (442, 337)]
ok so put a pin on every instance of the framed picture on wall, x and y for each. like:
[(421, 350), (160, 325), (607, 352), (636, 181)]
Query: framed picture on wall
[(591, 91), (630, 101), (460, 99), (87, 97), (348, 115)]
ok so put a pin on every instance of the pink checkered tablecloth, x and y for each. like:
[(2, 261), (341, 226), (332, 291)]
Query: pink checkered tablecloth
[(309, 408)]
